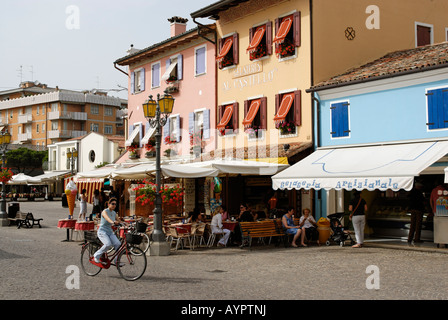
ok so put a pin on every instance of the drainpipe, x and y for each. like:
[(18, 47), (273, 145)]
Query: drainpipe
[(206, 27), (115, 66)]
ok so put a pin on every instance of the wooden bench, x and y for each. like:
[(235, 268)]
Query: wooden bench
[(18, 219), (259, 229)]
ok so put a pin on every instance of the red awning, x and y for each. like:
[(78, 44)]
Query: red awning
[(228, 112), (256, 39), (225, 49), (90, 184), (253, 110), (285, 26), (285, 105)]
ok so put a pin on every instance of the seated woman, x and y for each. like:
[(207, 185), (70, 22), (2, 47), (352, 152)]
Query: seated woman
[(308, 223), (216, 225), (225, 215), (245, 215), (291, 228)]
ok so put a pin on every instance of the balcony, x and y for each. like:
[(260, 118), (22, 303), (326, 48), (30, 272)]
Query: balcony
[(25, 118), (22, 137), (62, 134), (67, 115)]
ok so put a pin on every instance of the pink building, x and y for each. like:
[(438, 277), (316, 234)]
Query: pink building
[(184, 65)]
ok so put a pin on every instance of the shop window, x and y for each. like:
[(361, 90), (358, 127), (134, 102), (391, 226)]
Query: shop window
[(288, 112), (287, 35), (228, 119), (340, 125), (260, 38), (255, 117), (228, 51), (437, 108)]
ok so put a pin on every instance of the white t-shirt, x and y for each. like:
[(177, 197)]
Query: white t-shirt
[(309, 222)]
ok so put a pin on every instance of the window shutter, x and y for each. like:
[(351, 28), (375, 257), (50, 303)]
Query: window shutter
[(166, 129), (220, 44), (334, 121), (140, 135), (296, 26), (298, 107), (147, 126), (200, 60), (236, 51), (191, 123), (344, 115), (277, 103), (218, 115), (277, 26), (269, 38), (142, 79), (131, 128), (437, 109), (180, 68), (246, 107), (178, 127), (235, 121), (132, 82), (339, 120), (206, 125), (264, 113)]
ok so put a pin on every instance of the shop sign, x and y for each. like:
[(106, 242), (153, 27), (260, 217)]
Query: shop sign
[(247, 70), (338, 184), (250, 80)]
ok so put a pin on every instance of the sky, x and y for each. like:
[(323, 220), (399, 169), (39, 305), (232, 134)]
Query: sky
[(72, 44)]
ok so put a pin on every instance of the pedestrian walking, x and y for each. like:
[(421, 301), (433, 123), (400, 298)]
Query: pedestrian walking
[(416, 208), (358, 209)]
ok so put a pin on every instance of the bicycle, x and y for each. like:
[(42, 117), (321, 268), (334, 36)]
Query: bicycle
[(140, 229), (131, 261)]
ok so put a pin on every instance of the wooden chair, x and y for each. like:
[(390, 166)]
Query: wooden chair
[(212, 236), (179, 235), (197, 233)]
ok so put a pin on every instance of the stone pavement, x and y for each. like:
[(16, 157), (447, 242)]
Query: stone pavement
[(34, 264)]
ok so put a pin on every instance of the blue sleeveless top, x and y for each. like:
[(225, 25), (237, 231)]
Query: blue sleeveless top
[(105, 226)]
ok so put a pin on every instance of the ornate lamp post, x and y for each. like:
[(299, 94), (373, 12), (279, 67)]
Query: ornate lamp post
[(5, 139), (72, 155), (157, 112)]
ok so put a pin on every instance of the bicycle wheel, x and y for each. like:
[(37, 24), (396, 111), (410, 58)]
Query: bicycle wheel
[(87, 254), (144, 245), (131, 264)]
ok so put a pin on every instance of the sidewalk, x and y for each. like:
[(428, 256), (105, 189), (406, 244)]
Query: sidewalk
[(402, 244)]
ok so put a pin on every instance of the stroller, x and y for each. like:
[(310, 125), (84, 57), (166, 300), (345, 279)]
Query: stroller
[(339, 235)]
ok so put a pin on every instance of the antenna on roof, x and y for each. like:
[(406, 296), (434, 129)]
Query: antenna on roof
[(20, 70)]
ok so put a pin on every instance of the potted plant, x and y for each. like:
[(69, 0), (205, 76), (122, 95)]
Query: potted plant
[(287, 127), (227, 61), (285, 49), (226, 130), (5, 175), (146, 194), (253, 132), (150, 148), (171, 79), (259, 52), (133, 151)]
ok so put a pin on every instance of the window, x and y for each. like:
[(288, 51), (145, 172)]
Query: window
[(287, 35), (108, 129), (199, 123), (200, 62), (37, 128), (94, 127), (94, 109), (37, 110), (155, 75), (423, 34), (255, 119), (260, 41), (437, 102), (228, 119), (138, 80), (108, 111), (43, 109), (288, 112), (54, 107), (228, 51), (43, 127), (172, 130), (54, 125), (174, 69), (340, 124), (92, 156)]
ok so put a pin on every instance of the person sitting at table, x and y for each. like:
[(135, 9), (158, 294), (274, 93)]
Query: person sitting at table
[(245, 215), (193, 217), (217, 227), (105, 232), (225, 215), (291, 228), (308, 223), (83, 205)]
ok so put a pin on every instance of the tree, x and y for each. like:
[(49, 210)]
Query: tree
[(25, 160)]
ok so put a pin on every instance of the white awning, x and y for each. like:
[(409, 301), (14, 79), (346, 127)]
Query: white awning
[(186, 171), (48, 177), (132, 136), (446, 174), (140, 171), (374, 167), (168, 71), (19, 178), (101, 173), (148, 135)]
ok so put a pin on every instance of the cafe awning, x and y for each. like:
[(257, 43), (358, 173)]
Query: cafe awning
[(256, 39), (187, 171), (282, 32), (19, 178), (285, 105), (228, 112), (48, 177), (381, 167), (243, 167), (225, 49), (251, 114)]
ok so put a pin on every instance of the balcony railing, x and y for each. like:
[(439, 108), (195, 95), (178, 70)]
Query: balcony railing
[(69, 115), (24, 136), (25, 118), (54, 134)]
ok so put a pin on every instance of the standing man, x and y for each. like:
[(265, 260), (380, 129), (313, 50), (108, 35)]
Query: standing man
[(416, 207)]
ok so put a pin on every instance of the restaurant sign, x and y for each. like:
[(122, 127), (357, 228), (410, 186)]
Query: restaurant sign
[(249, 76)]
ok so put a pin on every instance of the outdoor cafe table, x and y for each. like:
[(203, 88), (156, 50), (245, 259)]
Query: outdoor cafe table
[(85, 226), (68, 224), (230, 225)]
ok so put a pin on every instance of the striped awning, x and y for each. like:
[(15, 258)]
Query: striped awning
[(251, 114), (282, 32), (228, 112), (225, 49), (285, 105), (90, 184), (256, 39)]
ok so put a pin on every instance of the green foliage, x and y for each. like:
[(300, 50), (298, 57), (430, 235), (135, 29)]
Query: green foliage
[(25, 160)]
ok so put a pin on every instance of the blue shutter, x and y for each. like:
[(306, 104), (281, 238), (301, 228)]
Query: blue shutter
[(166, 129), (206, 125), (142, 79), (191, 123), (131, 128), (155, 82), (167, 64), (200, 60), (132, 82), (147, 126), (437, 109), (140, 135), (180, 69), (340, 120), (178, 131)]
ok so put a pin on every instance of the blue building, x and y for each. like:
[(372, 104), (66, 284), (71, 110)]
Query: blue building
[(378, 128)]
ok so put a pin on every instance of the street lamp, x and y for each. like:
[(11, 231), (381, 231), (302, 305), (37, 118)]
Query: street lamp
[(72, 155), (157, 112), (5, 139)]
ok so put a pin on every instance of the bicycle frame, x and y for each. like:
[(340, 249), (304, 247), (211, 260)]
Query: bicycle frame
[(123, 246)]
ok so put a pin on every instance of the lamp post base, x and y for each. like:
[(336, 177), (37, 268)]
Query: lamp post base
[(4, 222), (159, 248)]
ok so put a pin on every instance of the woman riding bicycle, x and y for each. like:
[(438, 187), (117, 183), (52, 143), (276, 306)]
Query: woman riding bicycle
[(105, 232)]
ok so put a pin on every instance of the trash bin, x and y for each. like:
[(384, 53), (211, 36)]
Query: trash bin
[(64, 201), (323, 226), (13, 208)]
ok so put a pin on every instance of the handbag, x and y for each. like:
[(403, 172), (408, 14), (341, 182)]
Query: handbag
[(353, 211)]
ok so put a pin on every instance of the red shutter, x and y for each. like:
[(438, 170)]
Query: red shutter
[(246, 108), (277, 26), (235, 117), (277, 103), (219, 115), (264, 113), (235, 49), (269, 38), (298, 107), (296, 30)]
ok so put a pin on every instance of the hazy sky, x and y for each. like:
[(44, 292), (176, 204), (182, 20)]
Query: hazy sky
[(73, 44)]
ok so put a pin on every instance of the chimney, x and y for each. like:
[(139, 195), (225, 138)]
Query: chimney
[(178, 25)]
